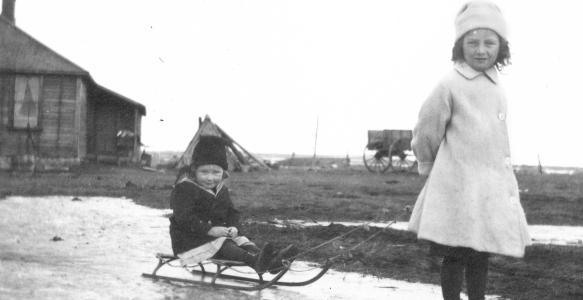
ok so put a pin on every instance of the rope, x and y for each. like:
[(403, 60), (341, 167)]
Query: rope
[(406, 210), (327, 242), (365, 240), (292, 258), (289, 260)]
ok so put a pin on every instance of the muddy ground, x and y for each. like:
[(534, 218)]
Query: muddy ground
[(546, 272), (63, 247)]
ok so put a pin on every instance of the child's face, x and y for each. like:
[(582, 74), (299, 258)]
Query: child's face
[(481, 47), (209, 176)]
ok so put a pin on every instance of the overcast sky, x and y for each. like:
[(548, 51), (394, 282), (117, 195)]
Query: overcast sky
[(265, 71)]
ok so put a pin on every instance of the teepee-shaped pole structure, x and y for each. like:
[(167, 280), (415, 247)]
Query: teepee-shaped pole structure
[(207, 127)]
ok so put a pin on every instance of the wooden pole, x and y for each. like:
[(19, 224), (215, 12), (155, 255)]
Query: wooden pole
[(315, 142), (223, 133)]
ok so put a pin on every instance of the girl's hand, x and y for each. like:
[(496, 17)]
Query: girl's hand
[(218, 231), (232, 232)]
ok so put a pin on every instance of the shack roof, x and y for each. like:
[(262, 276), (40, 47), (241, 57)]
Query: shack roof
[(22, 53)]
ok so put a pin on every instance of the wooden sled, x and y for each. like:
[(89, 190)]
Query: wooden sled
[(222, 265)]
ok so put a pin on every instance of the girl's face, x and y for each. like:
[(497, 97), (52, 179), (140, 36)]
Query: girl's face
[(209, 176), (481, 47)]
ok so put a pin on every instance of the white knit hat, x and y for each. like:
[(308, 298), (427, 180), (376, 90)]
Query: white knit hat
[(480, 14)]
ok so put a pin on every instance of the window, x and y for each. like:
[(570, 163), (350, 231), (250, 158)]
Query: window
[(26, 102)]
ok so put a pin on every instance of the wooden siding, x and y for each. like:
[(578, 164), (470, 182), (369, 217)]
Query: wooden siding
[(80, 121), (6, 90), (58, 132), (91, 132), (106, 117), (59, 135), (138, 137)]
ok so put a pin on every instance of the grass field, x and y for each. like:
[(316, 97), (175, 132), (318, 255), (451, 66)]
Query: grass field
[(546, 272)]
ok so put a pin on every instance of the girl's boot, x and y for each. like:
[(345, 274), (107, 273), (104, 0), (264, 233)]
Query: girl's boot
[(477, 276), (451, 277)]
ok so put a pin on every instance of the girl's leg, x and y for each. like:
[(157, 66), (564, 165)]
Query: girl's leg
[(477, 275), (251, 248), (452, 269), (230, 251), (259, 261)]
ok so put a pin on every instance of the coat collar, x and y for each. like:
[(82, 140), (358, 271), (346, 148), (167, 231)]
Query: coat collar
[(191, 181), (466, 71)]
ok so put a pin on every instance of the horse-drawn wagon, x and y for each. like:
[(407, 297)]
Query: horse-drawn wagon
[(389, 149)]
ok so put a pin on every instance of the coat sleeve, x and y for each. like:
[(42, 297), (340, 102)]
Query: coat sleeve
[(429, 131), (185, 212)]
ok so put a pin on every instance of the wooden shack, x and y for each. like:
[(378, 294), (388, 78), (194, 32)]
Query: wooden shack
[(53, 115)]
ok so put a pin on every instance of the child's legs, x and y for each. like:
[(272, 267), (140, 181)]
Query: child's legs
[(477, 275), (246, 244), (230, 251), (452, 269), (251, 248)]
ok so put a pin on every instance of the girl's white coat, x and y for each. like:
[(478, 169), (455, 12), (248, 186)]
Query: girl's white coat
[(471, 195)]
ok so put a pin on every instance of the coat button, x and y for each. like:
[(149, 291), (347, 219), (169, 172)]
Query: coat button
[(501, 116)]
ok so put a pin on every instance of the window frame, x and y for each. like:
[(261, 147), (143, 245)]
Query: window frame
[(20, 85)]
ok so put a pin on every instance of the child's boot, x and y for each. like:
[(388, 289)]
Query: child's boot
[(286, 253), (263, 258)]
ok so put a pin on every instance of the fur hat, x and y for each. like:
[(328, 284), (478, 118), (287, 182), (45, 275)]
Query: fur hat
[(480, 14), (210, 150)]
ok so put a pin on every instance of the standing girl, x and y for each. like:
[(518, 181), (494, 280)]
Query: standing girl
[(469, 206)]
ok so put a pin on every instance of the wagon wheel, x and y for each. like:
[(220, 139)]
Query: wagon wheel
[(376, 161), (402, 159)]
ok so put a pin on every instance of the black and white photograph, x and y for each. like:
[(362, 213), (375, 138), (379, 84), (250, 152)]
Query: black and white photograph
[(282, 150)]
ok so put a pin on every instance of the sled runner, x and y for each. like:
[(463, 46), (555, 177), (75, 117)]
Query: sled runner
[(249, 284)]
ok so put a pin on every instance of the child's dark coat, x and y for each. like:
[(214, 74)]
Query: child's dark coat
[(196, 210)]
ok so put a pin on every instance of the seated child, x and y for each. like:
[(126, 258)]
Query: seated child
[(204, 223)]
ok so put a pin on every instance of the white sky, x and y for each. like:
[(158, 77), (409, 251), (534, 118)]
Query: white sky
[(265, 71)]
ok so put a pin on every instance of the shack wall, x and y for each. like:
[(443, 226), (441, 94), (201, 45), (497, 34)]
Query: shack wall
[(106, 119), (57, 134)]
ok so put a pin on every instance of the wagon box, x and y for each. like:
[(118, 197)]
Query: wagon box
[(389, 149), (383, 139)]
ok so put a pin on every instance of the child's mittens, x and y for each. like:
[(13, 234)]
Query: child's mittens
[(218, 231), (232, 232)]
